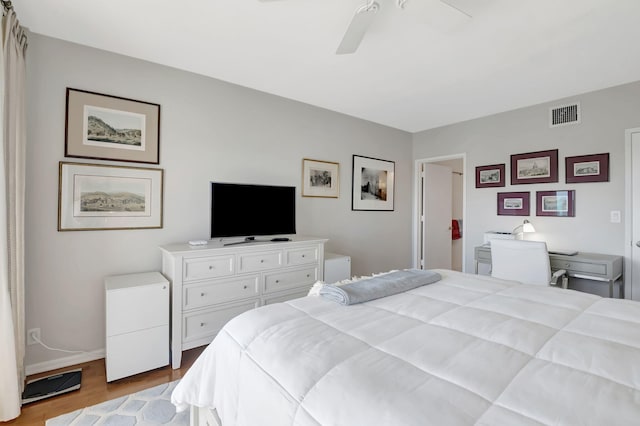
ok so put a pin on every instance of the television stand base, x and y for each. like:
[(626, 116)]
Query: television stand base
[(253, 240)]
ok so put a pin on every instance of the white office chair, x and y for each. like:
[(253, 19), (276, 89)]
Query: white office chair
[(524, 261)]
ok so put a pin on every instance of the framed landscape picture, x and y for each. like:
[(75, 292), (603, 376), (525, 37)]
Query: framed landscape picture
[(320, 178), (534, 167), (513, 203), (490, 176), (105, 127), (97, 197), (587, 168), (556, 203), (373, 184)]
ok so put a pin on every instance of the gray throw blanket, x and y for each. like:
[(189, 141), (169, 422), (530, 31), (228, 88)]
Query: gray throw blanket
[(377, 287)]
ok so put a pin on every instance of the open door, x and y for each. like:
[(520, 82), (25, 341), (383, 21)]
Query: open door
[(632, 279), (436, 216)]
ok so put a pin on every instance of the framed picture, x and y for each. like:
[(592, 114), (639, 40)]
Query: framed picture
[(97, 197), (587, 168), (490, 176), (556, 203), (104, 127), (320, 178), (534, 167), (513, 203), (373, 184)]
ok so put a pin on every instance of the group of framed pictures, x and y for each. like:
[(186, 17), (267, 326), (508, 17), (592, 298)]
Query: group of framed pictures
[(548, 203), (372, 182), (542, 167), (99, 196)]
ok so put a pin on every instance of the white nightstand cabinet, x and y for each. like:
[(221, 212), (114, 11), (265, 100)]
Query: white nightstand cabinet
[(137, 323), (213, 283)]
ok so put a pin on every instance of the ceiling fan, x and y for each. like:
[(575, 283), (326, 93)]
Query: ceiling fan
[(363, 18)]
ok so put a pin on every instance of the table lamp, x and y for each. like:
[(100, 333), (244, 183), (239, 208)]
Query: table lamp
[(519, 230)]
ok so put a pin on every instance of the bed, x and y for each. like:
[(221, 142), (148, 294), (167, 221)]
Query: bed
[(465, 350)]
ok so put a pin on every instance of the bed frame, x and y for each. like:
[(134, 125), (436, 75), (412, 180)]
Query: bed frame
[(204, 417)]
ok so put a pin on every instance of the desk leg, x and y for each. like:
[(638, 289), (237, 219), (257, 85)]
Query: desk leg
[(476, 262), (611, 288)]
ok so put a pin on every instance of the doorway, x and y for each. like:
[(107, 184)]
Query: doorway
[(632, 214), (439, 215)]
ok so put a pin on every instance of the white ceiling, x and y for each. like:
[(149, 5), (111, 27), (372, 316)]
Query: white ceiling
[(418, 68)]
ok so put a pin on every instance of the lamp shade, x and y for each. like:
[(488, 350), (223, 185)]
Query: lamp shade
[(527, 226)]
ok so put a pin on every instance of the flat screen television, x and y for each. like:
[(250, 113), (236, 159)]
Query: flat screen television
[(244, 210)]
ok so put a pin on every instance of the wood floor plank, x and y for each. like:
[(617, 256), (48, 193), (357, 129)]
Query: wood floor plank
[(95, 389)]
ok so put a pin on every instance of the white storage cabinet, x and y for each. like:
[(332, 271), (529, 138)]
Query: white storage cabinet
[(137, 323), (337, 267), (213, 283)]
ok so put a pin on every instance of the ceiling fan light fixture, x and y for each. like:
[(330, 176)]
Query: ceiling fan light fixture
[(358, 27)]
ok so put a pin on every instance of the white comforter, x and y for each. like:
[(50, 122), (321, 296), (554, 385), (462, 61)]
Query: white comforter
[(466, 350)]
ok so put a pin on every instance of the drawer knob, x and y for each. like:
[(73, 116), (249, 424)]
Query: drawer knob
[(245, 287), (308, 275), (210, 266), (303, 255), (277, 281), (201, 324), (261, 260), (201, 294)]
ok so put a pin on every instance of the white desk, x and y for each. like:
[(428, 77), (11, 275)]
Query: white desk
[(589, 266)]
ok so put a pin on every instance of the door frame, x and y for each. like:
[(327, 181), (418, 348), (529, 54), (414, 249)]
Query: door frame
[(417, 199), (628, 215)]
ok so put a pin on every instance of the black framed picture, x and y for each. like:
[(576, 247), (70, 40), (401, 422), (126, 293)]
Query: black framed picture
[(587, 168), (105, 127), (490, 176), (556, 203), (372, 184), (513, 203), (534, 167)]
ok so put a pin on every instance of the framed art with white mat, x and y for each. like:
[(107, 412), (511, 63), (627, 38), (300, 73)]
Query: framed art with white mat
[(101, 197), (320, 178), (373, 184)]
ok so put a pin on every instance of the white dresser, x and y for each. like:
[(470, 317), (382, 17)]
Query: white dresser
[(137, 323), (212, 284)]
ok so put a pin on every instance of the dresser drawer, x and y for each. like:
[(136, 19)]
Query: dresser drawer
[(580, 267), (253, 262), (302, 256), (277, 281), (207, 323), (219, 291), (279, 297), (208, 267), (483, 254), (136, 308)]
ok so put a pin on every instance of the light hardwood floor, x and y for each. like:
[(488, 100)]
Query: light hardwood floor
[(95, 389)]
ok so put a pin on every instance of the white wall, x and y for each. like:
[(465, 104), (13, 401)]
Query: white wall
[(491, 140), (210, 130)]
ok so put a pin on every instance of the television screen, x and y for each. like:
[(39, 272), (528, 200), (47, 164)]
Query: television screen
[(242, 210)]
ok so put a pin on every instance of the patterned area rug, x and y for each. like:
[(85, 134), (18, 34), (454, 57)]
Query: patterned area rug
[(148, 407)]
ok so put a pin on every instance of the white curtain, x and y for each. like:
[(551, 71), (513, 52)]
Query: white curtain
[(12, 181)]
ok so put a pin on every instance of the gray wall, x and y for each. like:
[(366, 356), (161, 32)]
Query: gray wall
[(210, 130), (491, 140)]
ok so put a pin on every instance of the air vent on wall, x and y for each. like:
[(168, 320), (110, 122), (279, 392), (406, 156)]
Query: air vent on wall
[(564, 114)]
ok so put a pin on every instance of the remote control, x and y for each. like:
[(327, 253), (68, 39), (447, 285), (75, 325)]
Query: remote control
[(280, 239), (198, 242)]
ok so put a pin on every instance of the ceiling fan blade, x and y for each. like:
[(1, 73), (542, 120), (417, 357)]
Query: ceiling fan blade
[(457, 5), (357, 28)]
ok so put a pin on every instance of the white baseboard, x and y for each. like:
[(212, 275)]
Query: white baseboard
[(67, 361)]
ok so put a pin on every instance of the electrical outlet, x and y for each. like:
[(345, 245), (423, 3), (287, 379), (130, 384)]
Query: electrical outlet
[(32, 335), (615, 216)]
